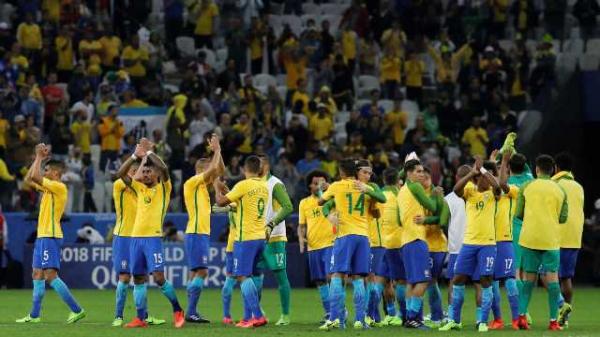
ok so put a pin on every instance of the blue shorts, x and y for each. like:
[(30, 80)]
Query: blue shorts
[(395, 264), (229, 263), (475, 261), (246, 255), (568, 261), (504, 265), (416, 262), (196, 250), (319, 262), (121, 253), (146, 255), (451, 265), (377, 265), (46, 253), (350, 255), (436, 263)]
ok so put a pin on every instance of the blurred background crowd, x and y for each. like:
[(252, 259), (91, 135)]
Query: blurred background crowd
[(306, 83)]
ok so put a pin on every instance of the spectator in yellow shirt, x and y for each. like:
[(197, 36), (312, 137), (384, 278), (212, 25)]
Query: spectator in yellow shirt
[(301, 95), (396, 121), (135, 58), (294, 62), (256, 44), (51, 10), (477, 139), (414, 68), (390, 70), (130, 101), (244, 127), (326, 98), (321, 124), (4, 126), (394, 38), (251, 95), (112, 45), (447, 64), (208, 13), (29, 35), (499, 17), (64, 51), (349, 42), (111, 132), (17, 59), (90, 50), (82, 132)]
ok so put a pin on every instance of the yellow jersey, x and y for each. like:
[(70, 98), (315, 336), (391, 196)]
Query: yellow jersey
[(571, 232), (29, 36), (350, 204), (434, 234), (376, 237), (152, 205), (319, 231), (4, 126), (543, 206), (64, 53), (410, 207), (82, 132), (251, 196), (390, 219), (414, 70), (125, 201), (505, 211), (138, 55), (52, 207), (111, 46), (481, 210), (204, 24), (197, 203), (390, 69), (349, 45), (477, 140), (321, 128)]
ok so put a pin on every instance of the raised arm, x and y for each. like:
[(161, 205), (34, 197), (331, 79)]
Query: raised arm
[(152, 157), (216, 166), (35, 171), (123, 171), (459, 187), (504, 172)]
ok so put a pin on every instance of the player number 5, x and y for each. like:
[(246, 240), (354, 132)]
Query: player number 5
[(158, 258), (45, 255)]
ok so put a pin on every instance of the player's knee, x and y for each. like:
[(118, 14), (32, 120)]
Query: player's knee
[(37, 274), (125, 278), (159, 278), (459, 280), (139, 279), (486, 281), (50, 274), (511, 287), (203, 272)]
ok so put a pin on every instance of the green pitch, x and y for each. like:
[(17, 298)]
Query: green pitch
[(306, 312)]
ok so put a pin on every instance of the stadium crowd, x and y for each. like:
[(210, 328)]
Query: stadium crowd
[(377, 80)]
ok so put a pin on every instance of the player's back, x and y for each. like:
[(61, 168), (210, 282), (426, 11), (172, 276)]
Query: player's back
[(376, 238), (319, 231), (52, 207), (152, 205), (197, 204), (571, 231), (125, 201), (505, 210), (351, 205), (480, 210), (251, 196), (434, 235), (543, 200), (390, 219), (409, 209)]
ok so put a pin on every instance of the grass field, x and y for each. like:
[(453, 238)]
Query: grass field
[(306, 311)]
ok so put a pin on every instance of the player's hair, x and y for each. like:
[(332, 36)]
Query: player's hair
[(427, 170), (201, 161), (360, 163), (564, 161), (56, 165), (390, 176), (462, 171), (315, 174), (252, 164), (411, 165), (348, 166), (490, 166), (545, 164), (517, 163)]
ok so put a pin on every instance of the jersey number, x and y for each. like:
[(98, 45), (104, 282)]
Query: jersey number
[(158, 258), (479, 205), (360, 204), (260, 206)]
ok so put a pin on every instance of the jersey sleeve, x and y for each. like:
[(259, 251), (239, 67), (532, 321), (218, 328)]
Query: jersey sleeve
[(520, 212), (194, 181), (329, 193), (54, 187), (301, 216), (564, 208), (236, 192), (282, 197), (418, 192), (136, 186), (118, 186)]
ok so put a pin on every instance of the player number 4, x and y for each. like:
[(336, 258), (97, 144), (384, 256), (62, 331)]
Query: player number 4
[(360, 204)]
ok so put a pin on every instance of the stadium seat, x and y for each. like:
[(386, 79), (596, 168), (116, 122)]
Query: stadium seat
[(531, 45), (282, 91), (171, 87), (281, 79), (332, 9), (264, 89), (222, 54), (573, 45), (185, 45), (276, 8), (575, 33), (412, 109), (342, 117), (368, 82), (361, 102), (593, 46), (506, 45), (264, 80), (387, 105), (589, 61), (311, 8), (211, 57), (566, 64)]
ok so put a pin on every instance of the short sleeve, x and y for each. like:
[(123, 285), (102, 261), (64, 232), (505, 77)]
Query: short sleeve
[(54, 187), (301, 216), (118, 186), (136, 185), (328, 194), (236, 192), (169, 186)]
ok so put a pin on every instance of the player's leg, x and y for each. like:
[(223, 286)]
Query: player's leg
[(318, 261), (485, 261), (139, 270), (550, 261), (416, 262), (464, 268), (39, 285), (531, 261), (433, 290), (450, 276), (120, 260), (52, 246), (153, 253), (276, 259), (359, 268), (196, 248), (568, 261), (339, 267), (245, 259), (121, 298), (227, 289)]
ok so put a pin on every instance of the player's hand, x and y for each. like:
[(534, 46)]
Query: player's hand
[(419, 219), (506, 155), (146, 144), (301, 246), (139, 152), (362, 187), (477, 166), (438, 190), (333, 218), (39, 150), (269, 230), (214, 143), (494, 154), (323, 185)]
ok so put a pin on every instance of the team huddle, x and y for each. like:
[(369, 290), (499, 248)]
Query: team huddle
[(504, 228)]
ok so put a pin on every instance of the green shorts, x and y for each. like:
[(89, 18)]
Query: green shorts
[(518, 262), (533, 259), (274, 256)]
